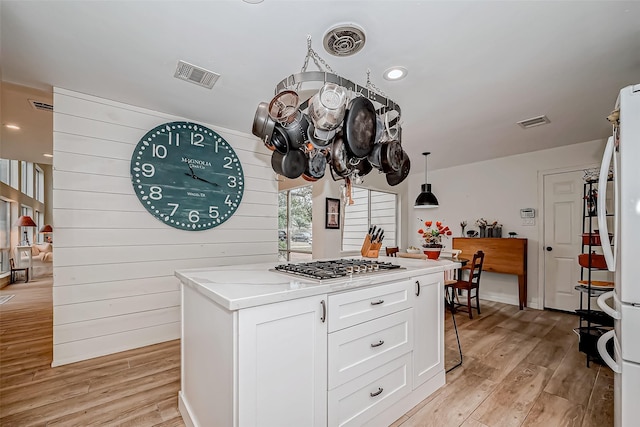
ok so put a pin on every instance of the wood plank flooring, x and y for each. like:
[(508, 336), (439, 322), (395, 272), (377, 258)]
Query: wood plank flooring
[(521, 368)]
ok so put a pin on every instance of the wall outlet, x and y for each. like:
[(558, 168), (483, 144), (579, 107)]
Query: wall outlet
[(528, 221)]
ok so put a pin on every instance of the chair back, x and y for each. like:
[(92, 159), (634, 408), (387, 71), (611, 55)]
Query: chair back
[(392, 251), (475, 269), (12, 263)]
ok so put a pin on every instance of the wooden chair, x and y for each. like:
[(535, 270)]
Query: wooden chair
[(473, 282), (15, 270), (392, 251)]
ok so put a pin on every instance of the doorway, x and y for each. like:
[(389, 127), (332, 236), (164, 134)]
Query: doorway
[(562, 219)]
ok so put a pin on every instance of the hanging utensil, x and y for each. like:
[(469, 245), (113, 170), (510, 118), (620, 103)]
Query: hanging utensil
[(395, 178), (283, 106), (327, 108), (263, 125)]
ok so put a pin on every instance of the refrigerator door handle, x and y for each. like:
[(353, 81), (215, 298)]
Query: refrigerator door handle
[(606, 308), (609, 254), (602, 349)]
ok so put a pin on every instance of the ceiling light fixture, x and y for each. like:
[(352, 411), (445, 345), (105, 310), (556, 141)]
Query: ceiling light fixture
[(395, 73), (47, 155), (426, 199), (14, 127)]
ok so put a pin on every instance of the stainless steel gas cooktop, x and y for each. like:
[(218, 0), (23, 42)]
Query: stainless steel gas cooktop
[(334, 269)]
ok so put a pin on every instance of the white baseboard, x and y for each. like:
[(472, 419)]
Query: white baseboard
[(509, 299)]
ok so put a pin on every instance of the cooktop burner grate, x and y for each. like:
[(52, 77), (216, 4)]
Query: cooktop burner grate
[(333, 269)]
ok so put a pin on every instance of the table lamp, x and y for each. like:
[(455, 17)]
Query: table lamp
[(46, 229)]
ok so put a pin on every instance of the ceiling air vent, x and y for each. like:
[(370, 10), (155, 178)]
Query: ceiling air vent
[(41, 106), (197, 75), (344, 40), (534, 121)]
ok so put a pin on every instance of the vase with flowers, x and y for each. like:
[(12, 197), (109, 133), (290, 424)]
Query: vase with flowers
[(433, 238)]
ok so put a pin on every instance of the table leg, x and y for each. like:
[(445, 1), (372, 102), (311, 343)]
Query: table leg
[(522, 290)]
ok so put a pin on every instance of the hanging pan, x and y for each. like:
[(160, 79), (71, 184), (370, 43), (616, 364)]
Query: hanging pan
[(360, 127), (395, 178)]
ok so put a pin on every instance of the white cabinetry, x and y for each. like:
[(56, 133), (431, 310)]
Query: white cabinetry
[(260, 366), (428, 315), (352, 357)]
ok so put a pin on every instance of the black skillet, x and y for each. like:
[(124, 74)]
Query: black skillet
[(395, 178), (360, 127)]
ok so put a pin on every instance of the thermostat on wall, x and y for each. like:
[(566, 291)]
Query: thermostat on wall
[(527, 213)]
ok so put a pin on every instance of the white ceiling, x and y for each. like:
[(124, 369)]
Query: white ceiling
[(475, 68)]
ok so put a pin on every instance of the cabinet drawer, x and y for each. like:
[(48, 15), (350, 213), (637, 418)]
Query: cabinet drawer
[(365, 397), (350, 308), (356, 350)]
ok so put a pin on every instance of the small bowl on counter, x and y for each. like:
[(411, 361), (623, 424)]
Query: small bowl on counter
[(414, 250)]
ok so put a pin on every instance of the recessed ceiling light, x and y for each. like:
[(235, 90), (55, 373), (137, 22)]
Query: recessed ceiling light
[(253, 1), (14, 127), (48, 155), (395, 73)]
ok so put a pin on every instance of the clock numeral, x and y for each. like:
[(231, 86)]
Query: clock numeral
[(175, 208), (155, 192), (148, 170), (213, 212), (229, 161), (228, 201), (177, 139), (232, 181), (194, 216), (159, 151), (196, 139)]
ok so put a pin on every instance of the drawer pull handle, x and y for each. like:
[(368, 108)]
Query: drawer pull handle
[(378, 344), (380, 301), (323, 318), (418, 291), (377, 393)]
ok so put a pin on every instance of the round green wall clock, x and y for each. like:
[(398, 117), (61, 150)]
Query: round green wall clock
[(187, 176)]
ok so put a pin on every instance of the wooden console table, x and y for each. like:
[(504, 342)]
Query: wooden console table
[(507, 256)]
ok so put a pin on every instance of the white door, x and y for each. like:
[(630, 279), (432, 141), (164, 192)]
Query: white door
[(563, 199)]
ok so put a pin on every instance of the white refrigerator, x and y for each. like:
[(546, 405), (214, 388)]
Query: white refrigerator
[(623, 257)]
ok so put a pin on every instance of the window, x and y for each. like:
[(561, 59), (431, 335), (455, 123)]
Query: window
[(39, 185), (38, 219), (26, 178), (295, 224), (9, 172), (370, 207), (5, 236)]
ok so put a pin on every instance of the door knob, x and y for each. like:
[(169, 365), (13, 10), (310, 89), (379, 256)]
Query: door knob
[(549, 248)]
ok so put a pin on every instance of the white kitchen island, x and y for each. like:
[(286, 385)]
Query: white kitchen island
[(263, 348)]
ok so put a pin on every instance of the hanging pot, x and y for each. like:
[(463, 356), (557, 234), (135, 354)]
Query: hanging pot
[(296, 130), (395, 178), (279, 139), (291, 165), (363, 167), (320, 138), (360, 127), (263, 125), (327, 107), (340, 157), (283, 106), (387, 156), (316, 165)]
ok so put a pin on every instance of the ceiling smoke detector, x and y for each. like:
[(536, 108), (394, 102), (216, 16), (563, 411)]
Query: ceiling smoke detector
[(534, 121), (197, 75), (344, 40)]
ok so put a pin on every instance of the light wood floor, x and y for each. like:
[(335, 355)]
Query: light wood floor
[(521, 368)]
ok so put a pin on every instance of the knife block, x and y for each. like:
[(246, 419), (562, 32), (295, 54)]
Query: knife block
[(370, 250)]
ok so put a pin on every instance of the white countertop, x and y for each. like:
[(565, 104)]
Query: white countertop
[(240, 286)]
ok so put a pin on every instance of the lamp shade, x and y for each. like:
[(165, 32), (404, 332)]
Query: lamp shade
[(426, 199), (46, 229), (24, 221)]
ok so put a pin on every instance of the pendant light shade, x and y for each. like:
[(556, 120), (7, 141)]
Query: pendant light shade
[(426, 199)]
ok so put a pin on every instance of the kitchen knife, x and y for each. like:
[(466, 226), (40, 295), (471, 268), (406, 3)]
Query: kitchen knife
[(381, 236)]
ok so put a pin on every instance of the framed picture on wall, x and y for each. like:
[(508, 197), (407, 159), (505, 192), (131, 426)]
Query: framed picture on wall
[(333, 213)]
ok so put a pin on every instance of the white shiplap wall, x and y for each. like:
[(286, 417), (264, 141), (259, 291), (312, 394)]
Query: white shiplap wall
[(114, 287)]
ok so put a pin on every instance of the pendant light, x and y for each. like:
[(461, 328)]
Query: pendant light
[(426, 199)]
